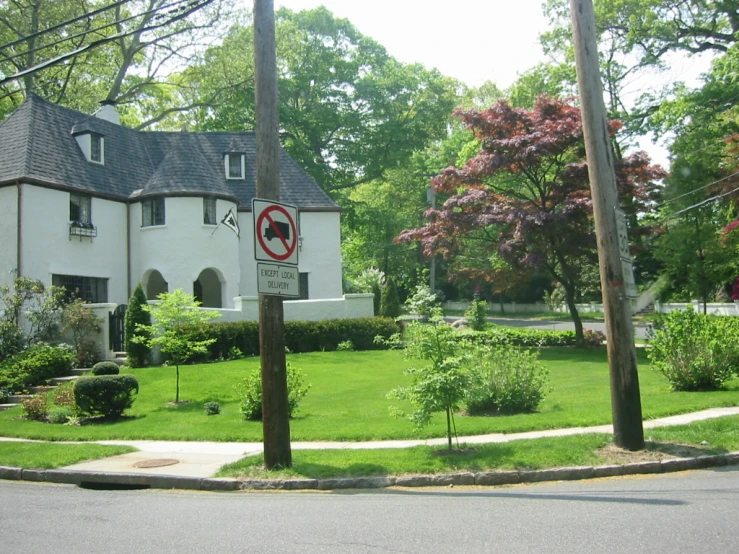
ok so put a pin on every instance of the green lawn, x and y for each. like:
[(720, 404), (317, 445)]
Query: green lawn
[(581, 450), (347, 401), (30, 455)]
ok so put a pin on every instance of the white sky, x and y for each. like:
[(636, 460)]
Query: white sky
[(471, 40)]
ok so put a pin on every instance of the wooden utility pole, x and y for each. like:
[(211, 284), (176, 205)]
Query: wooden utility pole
[(275, 418), (628, 431)]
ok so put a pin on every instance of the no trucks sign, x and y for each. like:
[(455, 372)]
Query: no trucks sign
[(276, 248)]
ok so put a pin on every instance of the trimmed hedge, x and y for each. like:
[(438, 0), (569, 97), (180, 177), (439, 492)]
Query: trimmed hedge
[(105, 395), (106, 368), (519, 337), (300, 336)]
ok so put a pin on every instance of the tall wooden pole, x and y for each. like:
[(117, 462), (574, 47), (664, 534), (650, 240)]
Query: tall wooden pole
[(628, 431), (275, 419)]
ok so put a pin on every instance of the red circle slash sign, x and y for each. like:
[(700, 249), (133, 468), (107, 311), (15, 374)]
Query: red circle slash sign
[(289, 242)]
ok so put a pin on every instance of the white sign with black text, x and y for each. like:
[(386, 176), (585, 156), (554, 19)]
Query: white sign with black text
[(278, 280)]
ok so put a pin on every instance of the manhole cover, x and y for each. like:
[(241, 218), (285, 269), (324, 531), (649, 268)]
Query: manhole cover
[(161, 462)]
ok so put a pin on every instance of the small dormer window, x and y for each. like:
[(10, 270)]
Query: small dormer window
[(234, 165), (96, 148)]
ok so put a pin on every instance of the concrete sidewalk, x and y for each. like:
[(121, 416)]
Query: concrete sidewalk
[(203, 459)]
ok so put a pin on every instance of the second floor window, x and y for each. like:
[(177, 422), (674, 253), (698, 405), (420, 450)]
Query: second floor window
[(80, 208), (152, 212), (209, 211)]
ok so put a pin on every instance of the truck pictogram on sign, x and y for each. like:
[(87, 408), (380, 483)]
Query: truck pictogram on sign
[(275, 232)]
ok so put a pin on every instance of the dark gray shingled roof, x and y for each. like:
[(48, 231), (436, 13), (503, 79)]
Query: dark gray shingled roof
[(38, 145)]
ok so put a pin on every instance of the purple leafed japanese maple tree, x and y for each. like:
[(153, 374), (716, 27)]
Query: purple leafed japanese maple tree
[(525, 197)]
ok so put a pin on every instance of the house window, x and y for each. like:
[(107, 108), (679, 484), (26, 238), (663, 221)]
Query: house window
[(303, 286), (96, 148), (209, 211), (80, 208), (235, 166), (92, 290), (152, 212)]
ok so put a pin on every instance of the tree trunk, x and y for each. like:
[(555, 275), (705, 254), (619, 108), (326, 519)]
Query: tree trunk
[(177, 390), (570, 300), (449, 428)]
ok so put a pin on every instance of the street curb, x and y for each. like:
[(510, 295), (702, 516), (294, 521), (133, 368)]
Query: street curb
[(486, 478)]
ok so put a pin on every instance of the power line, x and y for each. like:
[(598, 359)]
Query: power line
[(86, 15), (696, 190), (192, 7), (701, 203), (84, 33)]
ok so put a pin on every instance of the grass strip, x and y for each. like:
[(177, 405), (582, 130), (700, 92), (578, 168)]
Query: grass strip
[(36, 455), (347, 401), (721, 434)]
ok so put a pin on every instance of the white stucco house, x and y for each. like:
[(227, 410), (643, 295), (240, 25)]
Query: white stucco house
[(97, 207)]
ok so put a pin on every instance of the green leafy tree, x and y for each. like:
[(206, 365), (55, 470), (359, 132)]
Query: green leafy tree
[(349, 111), (138, 352), (439, 386), (525, 196), (389, 301), (174, 316), (29, 313), (81, 322)]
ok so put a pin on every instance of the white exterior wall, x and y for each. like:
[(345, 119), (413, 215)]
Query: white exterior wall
[(47, 248), (183, 247), (8, 234), (320, 255), (247, 265)]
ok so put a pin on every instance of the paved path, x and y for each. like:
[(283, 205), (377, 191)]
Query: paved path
[(203, 459)]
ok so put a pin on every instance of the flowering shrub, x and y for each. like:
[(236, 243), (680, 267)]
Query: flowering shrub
[(694, 351)]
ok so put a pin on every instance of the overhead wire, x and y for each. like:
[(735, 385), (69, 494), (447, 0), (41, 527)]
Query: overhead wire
[(58, 26), (94, 30), (194, 5)]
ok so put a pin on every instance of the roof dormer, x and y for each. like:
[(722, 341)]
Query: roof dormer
[(235, 165), (92, 145)]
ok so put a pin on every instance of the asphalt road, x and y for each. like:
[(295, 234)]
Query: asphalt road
[(640, 330), (687, 512)]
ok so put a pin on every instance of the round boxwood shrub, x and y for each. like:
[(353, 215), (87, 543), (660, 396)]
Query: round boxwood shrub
[(106, 368), (105, 395)]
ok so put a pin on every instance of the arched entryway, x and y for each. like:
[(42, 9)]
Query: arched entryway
[(208, 289), (155, 285)]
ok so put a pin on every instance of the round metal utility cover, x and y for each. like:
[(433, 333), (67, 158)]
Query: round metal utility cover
[(160, 462)]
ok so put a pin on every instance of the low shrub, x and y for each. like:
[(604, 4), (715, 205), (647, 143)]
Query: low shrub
[(505, 379), (250, 390), (212, 408), (36, 365), (695, 352), (60, 414), (105, 395), (345, 346), (106, 368), (35, 408), (64, 396), (594, 338)]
